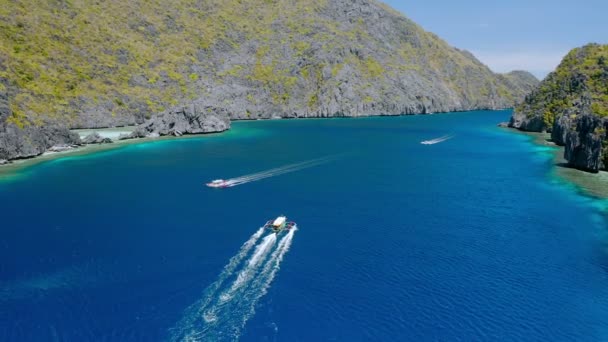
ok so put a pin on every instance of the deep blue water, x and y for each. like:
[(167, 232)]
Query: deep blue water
[(471, 239)]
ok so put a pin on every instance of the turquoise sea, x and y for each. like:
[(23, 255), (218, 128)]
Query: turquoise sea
[(470, 239)]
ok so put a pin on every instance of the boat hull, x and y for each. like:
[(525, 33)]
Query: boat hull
[(218, 185), (278, 229)]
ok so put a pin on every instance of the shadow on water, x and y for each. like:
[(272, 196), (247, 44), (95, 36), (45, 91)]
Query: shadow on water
[(592, 185), (601, 254)]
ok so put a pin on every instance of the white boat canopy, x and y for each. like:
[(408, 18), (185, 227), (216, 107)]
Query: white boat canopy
[(279, 221)]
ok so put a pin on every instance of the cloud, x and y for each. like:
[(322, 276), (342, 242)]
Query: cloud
[(539, 63)]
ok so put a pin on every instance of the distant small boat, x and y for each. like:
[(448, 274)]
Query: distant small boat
[(437, 140), (279, 224), (218, 183)]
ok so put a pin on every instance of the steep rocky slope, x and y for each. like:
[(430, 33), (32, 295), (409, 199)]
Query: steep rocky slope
[(520, 82), (84, 64), (572, 104)]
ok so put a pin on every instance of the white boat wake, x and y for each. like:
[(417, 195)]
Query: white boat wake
[(437, 140), (275, 172), (261, 251), (226, 306)]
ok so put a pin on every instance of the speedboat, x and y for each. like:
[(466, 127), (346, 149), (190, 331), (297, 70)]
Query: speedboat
[(437, 140), (218, 183), (279, 224)]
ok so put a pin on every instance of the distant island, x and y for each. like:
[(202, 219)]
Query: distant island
[(572, 104), (186, 68)]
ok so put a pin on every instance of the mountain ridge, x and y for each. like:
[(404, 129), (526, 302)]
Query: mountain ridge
[(572, 104), (89, 65)]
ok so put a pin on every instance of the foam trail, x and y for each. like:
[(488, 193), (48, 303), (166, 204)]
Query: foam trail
[(437, 140), (225, 319), (211, 291), (230, 317), (267, 172), (276, 171), (232, 265), (245, 275), (263, 282), (271, 173)]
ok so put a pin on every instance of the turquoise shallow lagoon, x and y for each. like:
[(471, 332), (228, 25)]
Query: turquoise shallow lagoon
[(473, 239)]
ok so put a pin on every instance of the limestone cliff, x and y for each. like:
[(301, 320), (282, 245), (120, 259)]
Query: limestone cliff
[(572, 104), (83, 64)]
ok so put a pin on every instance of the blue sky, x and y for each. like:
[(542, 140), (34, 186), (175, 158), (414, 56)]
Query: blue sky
[(530, 35)]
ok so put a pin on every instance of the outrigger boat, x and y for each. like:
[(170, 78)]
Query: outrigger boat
[(279, 224), (218, 183)]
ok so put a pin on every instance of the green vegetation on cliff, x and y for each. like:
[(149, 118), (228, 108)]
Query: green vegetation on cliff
[(103, 63), (578, 85), (65, 56), (572, 103)]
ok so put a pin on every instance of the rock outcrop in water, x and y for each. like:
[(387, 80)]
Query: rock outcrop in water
[(572, 104), (586, 144), (95, 138), (192, 119), (112, 63)]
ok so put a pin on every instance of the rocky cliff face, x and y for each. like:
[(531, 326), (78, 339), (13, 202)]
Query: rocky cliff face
[(577, 86), (521, 83), (97, 64), (195, 118), (29, 141), (350, 58), (572, 104), (561, 127), (585, 141), (527, 123)]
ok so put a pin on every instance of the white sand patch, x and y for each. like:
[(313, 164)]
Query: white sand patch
[(112, 133)]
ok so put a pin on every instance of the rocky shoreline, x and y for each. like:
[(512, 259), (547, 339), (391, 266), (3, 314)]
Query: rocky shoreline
[(185, 120), (171, 125), (590, 184), (340, 59), (194, 119), (593, 184), (571, 104), (583, 137), (13, 168)]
